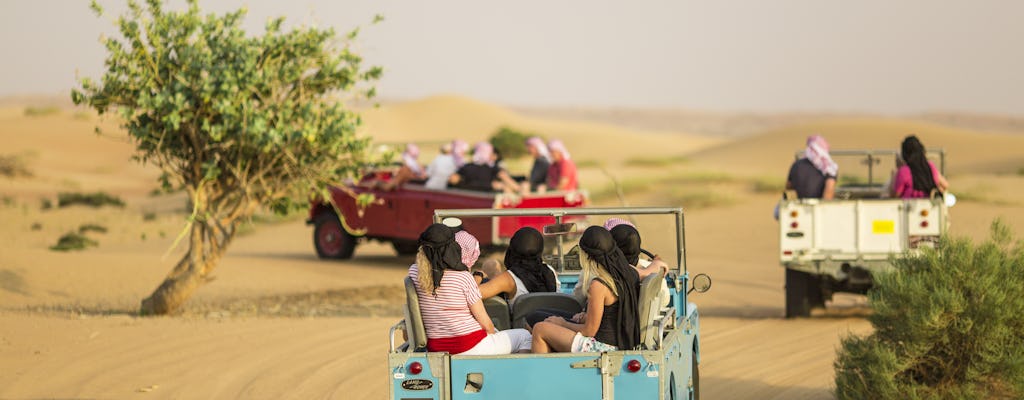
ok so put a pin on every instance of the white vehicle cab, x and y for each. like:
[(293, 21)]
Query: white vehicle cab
[(829, 246)]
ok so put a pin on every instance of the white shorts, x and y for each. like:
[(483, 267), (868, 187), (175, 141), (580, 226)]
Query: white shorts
[(503, 342)]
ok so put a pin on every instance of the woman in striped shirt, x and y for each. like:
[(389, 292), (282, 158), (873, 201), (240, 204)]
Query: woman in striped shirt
[(452, 310)]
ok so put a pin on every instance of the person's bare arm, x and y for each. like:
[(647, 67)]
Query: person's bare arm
[(563, 183), (830, 189), (502, 283), (454, 179), (510, 183), (480, 314), (657, 264), (941, 183)]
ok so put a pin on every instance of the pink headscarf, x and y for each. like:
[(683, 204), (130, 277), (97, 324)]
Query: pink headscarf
[(557, 145), (410, 156), (817, 154), (470, 247), (459, 149), (613, 222), (538, 144), (482, 154)]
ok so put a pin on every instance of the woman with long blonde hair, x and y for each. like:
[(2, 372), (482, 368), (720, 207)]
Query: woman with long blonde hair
[(612, 318), (452, 310)]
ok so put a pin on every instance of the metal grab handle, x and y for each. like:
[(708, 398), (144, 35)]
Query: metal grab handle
[(391, 334)]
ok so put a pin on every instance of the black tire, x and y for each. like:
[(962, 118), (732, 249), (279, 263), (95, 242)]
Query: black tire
[(798, 294), (696, 378), (405, 247), (330, 238)]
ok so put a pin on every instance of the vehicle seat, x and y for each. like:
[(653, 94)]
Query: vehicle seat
[(414, 320), (531, 302), (650, 310), (499, 312)]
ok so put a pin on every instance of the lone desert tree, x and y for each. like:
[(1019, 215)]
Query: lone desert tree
[(239, 121)]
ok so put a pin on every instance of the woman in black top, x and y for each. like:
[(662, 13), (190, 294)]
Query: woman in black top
[(612, 318), (541, 161), (483, 174)]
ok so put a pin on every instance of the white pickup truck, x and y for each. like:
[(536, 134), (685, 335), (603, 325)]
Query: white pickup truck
[(829, 246)]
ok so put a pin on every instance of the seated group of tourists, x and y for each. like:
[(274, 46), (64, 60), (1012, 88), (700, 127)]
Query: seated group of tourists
[(451, 299), (553, 169)]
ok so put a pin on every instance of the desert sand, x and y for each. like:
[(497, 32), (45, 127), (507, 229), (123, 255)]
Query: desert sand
[(276, 322)]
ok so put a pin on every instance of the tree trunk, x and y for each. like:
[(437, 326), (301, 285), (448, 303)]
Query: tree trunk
[(206, 245)]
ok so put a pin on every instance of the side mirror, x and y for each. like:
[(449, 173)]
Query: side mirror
[(559, 229), (701, 283)]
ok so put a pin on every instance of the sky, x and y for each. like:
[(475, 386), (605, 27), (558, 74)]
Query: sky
[(881, 56)]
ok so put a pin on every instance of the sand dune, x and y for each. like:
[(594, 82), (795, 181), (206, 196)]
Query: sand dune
[(279, 323)]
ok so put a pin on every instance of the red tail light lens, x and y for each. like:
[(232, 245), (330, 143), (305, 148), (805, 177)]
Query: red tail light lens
[(924, 224), (633, 366), (794, 225), (415, 368), (787, 253)]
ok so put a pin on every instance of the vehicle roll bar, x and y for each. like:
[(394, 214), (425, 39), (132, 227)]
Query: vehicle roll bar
[(558, 213)]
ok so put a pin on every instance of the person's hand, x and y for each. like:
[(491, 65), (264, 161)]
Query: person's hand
[(578, 318), (555, 320)]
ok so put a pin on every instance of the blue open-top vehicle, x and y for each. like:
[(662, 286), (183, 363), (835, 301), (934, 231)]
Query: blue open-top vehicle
[(664, 366)]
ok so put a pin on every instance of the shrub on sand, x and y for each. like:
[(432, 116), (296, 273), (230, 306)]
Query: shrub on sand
[(14, 166), (73, 241), (96, 200), (948, 325)]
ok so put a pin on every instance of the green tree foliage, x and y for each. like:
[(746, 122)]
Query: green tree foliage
[(510, 142), (238, 120), (948, 325)]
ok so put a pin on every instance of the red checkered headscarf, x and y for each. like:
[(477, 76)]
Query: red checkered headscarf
[(613, 222), (470, 247), (817, 154)]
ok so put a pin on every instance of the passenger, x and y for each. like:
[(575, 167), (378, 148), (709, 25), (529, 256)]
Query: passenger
[(452, 310), (482, 174), (562, 172), (814, 175), (918, 177), (628, 240), (526, 271), (611, 322), (459, 150), (411, 170), (441, 168), (538, 178)]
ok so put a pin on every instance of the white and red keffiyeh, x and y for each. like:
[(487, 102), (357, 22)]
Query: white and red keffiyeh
[(470, 247), (817, 154)]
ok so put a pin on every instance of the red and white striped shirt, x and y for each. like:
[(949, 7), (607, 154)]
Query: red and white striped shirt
[(446, 315)]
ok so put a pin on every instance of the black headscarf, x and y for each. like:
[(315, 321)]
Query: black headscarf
[(523, 259), (916, 158), (598, 243), (628, 240), (440, 248)]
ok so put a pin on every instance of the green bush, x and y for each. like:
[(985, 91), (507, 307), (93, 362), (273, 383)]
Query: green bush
[(948, 325), (73, 241), (98, 199), (14, 166), (85, 228), (510, 142), (41, 111)]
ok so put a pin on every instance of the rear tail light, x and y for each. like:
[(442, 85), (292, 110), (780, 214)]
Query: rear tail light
[(793, 214), (633, 366), (794, 225), (924, 213), (787, 253), (415, 368), (924, 224)]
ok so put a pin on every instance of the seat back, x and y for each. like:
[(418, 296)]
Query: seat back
[(650, 287), (530, 302), (414, 320), (499, 312)]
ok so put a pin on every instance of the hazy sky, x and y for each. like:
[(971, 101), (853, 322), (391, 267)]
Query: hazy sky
[(893, 56)]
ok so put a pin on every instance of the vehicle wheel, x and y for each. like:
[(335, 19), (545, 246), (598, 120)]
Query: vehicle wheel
[(405, 248), (798, 297), (696, 379), (330, 239)]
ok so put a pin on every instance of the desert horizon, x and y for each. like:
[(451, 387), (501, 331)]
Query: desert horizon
[(277, 322)]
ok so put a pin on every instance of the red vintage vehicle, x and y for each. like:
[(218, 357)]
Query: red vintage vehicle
[(398, 216)]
